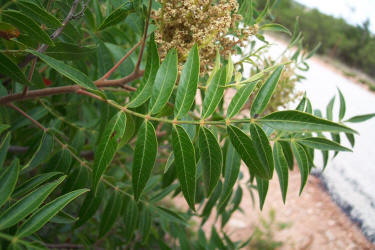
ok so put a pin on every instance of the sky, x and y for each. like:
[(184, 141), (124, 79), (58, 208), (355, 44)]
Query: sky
[(353, 11)]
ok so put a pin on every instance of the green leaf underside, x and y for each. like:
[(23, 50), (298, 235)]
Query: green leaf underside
[(110, 214), (188, 84), (42, 153), (144, 92), (73, 74), (296, 121), (47, 212), (266, 91), (32, 183), (275, 27), (184, 153), (107, 147), (68, 51), (342, 106), (303, 163), (232, 170), (10, 69), (245, 148), (262, 187), (130, 219), (4, 149), (144, 157), (164, 82), (281, 166), (212, 159), (117, 15), (27, 205), (8, 181), (239, 99), (361, 118), (34, 11), (214, 93), (322, 144), (90, 205), (27, 25), (262, 147)]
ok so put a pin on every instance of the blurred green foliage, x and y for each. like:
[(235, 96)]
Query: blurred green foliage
[(354, 45)]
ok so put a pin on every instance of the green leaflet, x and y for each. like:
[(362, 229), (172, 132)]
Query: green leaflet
[(262, 147), (184, 153), (145, 223), (262, 187), (215, 241), (44, 150), (296, 121), (215, 69), (10, 69), (8, 180), (330, 108), (302, 104), (34, 11), (287, 149), (78, 178), (361, 118), (229, 69), (212, 159), (27, 26), (214, 93), (110, 214), (322, 144), (144, 157), (342, 106), (281, 167), (27, 205), (263, 13), (68, 51), (245, 148), (107, 147), (68, 71), (4, 149), (144, 91), (167, 214), (32, 183), (240, 98), (188, 84), (164, 82), (130, 219), (117, 15), (3, 127), (212, 201), (90, 205), (46, 213), (350, 138), (232, 169), (275, 27), (266, 91), (303, 163)]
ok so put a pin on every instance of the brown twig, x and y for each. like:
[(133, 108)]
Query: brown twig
[(36, 123), (70, 89), (144, 37), (109, 73), (55, 34)]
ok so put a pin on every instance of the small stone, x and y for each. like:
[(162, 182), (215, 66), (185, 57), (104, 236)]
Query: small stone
[(330, 236), (331, 223)]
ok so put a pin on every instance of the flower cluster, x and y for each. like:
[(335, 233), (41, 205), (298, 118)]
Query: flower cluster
[(181, 24)]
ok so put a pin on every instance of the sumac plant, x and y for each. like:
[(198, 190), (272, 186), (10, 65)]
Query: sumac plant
[(112, 109)]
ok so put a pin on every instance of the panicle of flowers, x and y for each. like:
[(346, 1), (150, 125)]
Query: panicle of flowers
[(181, 24)]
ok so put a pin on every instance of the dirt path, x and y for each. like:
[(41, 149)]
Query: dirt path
[(316, 222)]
